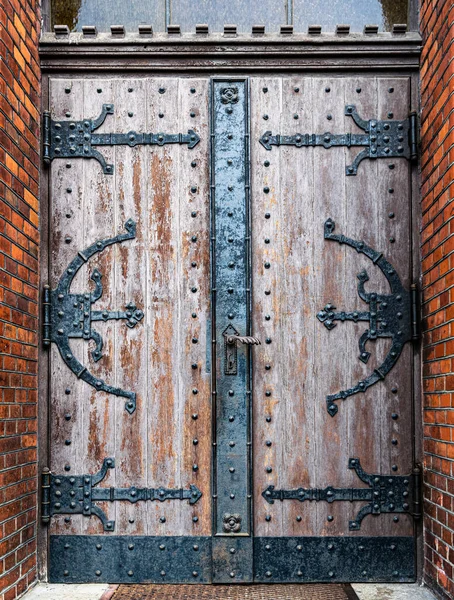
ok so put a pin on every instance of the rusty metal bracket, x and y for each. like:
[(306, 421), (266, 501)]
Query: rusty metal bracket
[(75, 139), (389, 316), (76, 494), (385, 494), (69, 316), (382, 139)]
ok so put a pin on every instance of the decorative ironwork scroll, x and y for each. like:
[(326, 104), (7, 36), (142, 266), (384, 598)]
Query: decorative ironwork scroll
[(77, 494), (385, 494), (390, 316), (69, 316), (382, 139), (75, 139)]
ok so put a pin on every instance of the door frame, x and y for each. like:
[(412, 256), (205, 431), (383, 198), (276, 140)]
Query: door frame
[(132, 57)]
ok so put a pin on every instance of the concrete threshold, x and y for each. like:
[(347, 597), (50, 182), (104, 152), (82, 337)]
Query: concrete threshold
[(367, 591)]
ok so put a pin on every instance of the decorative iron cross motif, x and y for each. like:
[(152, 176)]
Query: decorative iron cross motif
[(69, 316), (389, 316), (386, 494), (76, 494), (75, 139), (383, 139)]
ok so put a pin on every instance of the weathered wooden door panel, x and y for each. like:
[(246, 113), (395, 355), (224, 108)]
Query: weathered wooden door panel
[(296, 273), (212, 241), (164, 271)]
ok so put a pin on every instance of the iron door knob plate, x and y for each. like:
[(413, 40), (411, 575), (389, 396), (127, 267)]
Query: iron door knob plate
[(231, 340)]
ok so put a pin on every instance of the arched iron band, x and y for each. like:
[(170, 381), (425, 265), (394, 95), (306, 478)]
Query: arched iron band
[(390, 316), (70, 316)]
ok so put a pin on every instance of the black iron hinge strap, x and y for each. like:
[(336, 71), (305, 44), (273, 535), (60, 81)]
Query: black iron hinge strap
[(382, 139), (75, 139), (385, 494), (76, 494)]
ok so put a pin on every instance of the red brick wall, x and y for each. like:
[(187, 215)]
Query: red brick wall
[(437, 137), (19, 239)]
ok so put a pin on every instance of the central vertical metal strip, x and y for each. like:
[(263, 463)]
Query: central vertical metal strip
[(231, 298)]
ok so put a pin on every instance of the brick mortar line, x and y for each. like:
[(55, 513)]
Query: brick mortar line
[(426, 361), (427, 288), (14, 209), (23, 167), (437, 537), (436, 231), (31, 359), (14, 242), (436, 312), (425, 176), (439, 178), (13, 585), (26, 93), (10, 485), (20, 133), (430, 377), (424, 256), (27, 127), (33, 66), (22, 450), (445, 559), (429, 285), (22, 512), (443, 475), (22, 327), (424, 59), (16, 371), (19, 295), (437, 295), (427, 453), (435, 30), (446, 204), (439, 37), (424, 167), (29, 464), (430, 103), (25, 186)]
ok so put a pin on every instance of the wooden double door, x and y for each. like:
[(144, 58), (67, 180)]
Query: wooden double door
[(229, 316)]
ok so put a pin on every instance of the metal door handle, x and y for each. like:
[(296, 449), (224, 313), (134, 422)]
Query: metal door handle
[(231, 340), (244, 339)]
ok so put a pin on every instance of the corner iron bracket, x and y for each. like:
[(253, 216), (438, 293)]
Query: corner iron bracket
[(382, 139), (390, 316), (76, 494), (69, 316), (385, 494), (75, 139)]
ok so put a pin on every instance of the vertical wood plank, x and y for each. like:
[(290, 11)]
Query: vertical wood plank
[(364, 217), (66, 238), (397, 435), (297, 323), (131, 266), (332, 364), (194, 390), (164, 437), (99, 408), (266, 98)]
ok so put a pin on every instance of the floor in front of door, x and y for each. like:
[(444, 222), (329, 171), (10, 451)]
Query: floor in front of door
[(368, 591)]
